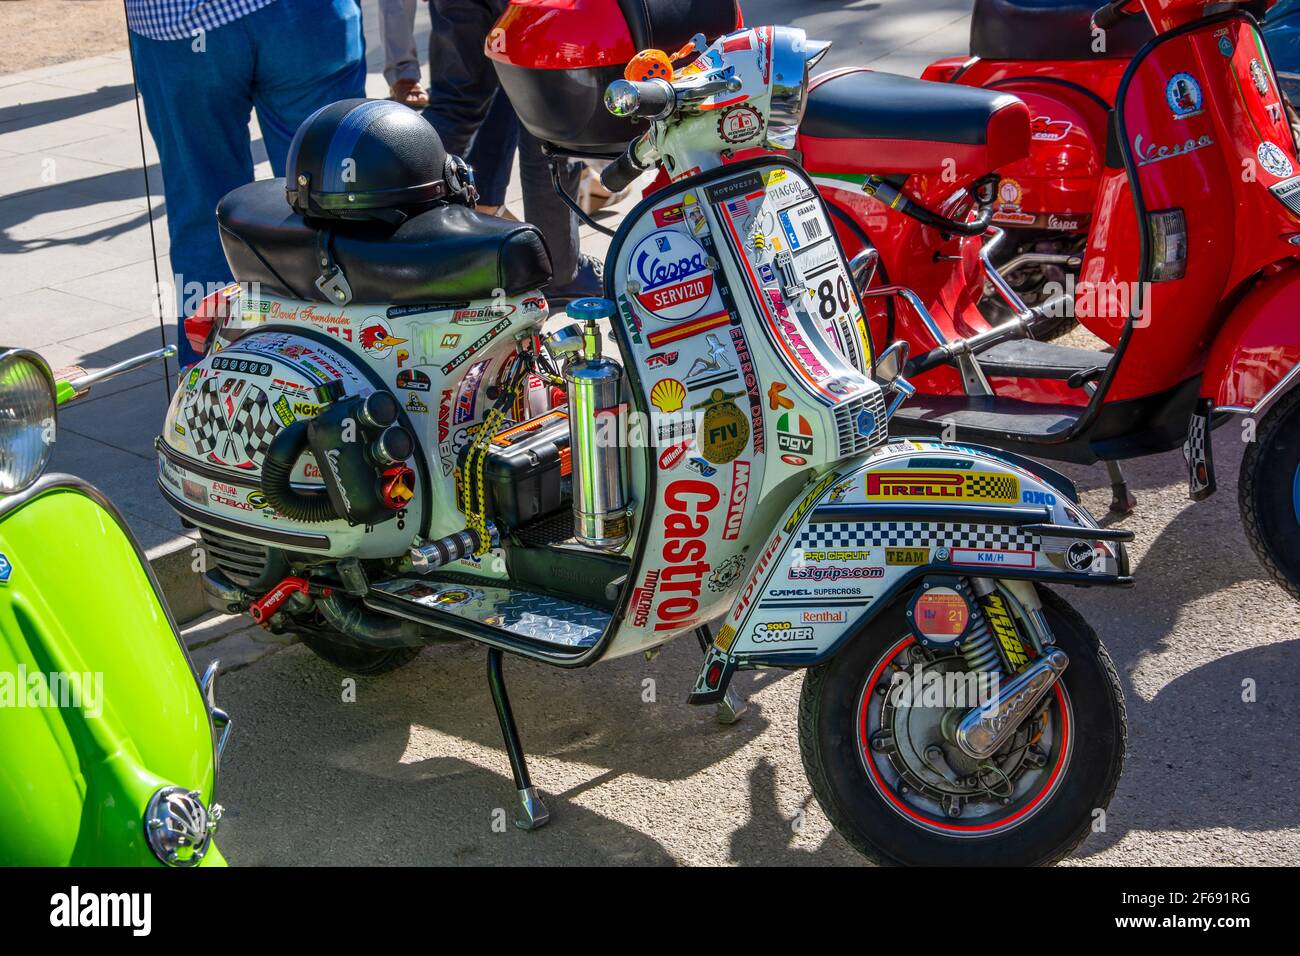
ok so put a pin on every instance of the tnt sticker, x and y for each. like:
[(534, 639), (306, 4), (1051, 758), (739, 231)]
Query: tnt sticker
[(672, 273), (740, 123)]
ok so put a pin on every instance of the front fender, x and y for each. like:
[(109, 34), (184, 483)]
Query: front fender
[(862, 535), (1256, 355)]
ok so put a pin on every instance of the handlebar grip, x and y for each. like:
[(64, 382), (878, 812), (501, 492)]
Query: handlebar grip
[(622, 172), (1109, 16), (630, 98)]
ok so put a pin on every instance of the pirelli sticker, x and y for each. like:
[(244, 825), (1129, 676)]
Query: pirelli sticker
[(942, 486)]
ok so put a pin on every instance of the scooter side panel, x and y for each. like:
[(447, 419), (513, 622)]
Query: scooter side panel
[(849, 546), (1259, 345), (99, 705)]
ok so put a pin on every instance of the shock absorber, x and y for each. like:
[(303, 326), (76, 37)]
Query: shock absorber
[(979, 648)]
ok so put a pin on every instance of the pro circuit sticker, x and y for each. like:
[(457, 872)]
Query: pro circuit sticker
[(670, 275)]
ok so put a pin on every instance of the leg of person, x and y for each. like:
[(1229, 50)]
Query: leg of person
[(326, 62), (197, 101), (573, 275), (462, 81), (397, 36), (492, 153)]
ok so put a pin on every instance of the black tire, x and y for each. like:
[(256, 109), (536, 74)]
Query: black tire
[(829, 744), (362, 661), (1267, 492)]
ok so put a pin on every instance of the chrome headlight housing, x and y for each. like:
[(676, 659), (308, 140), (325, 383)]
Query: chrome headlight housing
[(27, 418), (793, 56)]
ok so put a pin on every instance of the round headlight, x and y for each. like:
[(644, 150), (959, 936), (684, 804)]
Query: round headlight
[(27, 416), (793, 56)]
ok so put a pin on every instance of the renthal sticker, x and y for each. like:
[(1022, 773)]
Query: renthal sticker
[(478, 345), (670, 215), (951, 485), (688, 502), (377, 339), (819, 572), (725, 428), (750, 378), (794, 434), (992, 558), (823, 617), (643, 598), (672, 275), (736, 500), (1048, 130), (413, 380), (1273, 159), (782, 632), (740, 123), (907, 556), (796, 518), (667, 395)]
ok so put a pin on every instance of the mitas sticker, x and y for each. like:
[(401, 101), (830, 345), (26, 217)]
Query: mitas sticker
[(672, 275)]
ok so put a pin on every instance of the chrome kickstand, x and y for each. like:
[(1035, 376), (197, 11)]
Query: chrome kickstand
[(1122, 501), (731, 708), (531, 813)]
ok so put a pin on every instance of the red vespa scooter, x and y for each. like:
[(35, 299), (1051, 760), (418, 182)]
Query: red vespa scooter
[(1189, 276)]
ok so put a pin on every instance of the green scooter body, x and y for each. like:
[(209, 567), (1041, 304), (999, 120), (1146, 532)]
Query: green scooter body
[(78, 599)]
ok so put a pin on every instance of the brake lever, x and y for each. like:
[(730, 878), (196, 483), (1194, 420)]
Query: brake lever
[(714, 83)]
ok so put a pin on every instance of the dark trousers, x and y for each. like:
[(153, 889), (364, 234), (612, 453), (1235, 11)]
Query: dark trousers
[(462, 85)]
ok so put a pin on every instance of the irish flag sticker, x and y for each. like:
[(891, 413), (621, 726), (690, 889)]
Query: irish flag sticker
[(672, 275)]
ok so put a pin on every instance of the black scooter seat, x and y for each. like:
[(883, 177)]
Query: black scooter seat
[(447, 253), (1028, 358), (1049, 30), (994, 421)]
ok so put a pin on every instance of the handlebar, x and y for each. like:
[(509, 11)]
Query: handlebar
[(649, 98), (622, 172), (1111, 15)]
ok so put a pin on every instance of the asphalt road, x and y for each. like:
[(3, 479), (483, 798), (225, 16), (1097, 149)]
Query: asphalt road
[(413, 771)]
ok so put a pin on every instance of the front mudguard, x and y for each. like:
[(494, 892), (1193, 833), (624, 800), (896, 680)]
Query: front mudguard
[(864, 534)]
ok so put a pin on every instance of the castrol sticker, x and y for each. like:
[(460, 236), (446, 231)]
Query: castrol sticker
[(670, 276)]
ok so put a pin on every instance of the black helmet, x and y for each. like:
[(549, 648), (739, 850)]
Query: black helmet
[(371, 159)]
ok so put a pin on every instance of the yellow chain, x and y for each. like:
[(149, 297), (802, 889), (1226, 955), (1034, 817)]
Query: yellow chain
[(471, 480)]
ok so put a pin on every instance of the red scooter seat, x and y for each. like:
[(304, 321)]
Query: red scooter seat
[(861, 121), (1049, 30)]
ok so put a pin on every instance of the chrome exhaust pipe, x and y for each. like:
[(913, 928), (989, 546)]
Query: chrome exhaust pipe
[(984, 730)]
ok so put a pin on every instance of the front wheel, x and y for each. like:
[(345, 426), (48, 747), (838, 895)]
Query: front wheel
[(893, 785), (1268, 492)]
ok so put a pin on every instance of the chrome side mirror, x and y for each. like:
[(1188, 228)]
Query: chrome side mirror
[(220, 719), (888, 372), (890, 363)]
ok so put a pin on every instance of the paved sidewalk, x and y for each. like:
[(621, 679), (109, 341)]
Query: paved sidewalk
[(77, 267)]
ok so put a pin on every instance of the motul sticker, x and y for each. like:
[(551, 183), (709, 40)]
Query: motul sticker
[(672, 275), (736, 500)]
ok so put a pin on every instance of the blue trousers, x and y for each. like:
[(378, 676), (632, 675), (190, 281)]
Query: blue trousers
[(284, 61)]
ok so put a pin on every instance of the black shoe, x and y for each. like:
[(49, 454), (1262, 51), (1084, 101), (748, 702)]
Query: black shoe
[(589, 281)]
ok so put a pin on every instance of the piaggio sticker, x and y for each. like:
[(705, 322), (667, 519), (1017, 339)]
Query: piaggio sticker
[(6, 568)]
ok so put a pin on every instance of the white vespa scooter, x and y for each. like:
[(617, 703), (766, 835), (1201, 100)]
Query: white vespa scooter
[(731, 465)]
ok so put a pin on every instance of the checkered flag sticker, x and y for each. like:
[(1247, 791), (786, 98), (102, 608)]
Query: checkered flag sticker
[(822, 536), (237, 428), (1198, 454), (992, 487)]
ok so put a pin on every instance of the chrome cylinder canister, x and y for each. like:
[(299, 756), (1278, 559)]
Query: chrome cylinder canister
[(600, 458)]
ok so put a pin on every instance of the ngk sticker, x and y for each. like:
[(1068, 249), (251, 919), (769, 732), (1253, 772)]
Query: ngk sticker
[(672, 275)]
